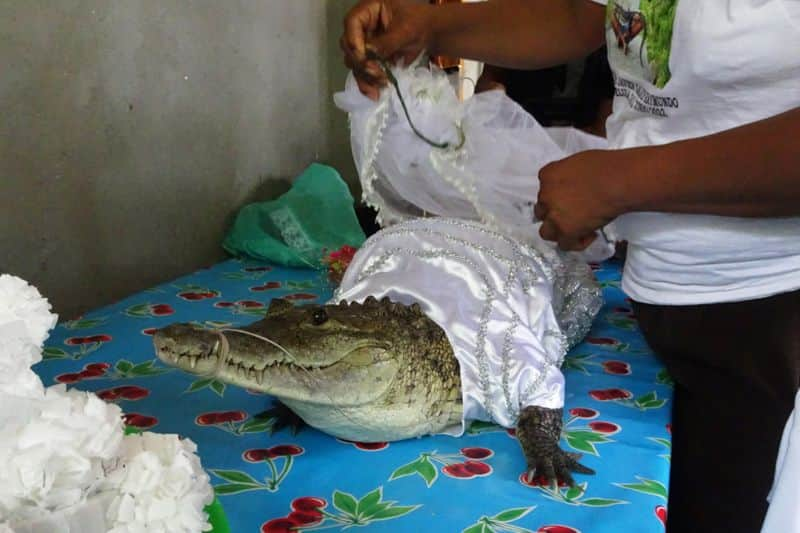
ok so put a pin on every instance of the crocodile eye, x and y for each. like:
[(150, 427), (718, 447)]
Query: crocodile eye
[(319, 316)]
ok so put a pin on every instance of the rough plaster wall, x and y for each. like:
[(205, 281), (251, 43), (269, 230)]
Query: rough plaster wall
[(132, 130)]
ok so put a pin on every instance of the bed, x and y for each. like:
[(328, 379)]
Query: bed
[(617, 413)]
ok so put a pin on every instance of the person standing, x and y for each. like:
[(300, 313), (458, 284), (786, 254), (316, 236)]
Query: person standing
[(703, 180)]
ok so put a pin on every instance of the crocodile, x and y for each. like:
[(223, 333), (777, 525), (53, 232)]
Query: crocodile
[(370, 372)]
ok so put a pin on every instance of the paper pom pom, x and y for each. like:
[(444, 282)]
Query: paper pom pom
[(53, 450), (17, 354), (161, 486), (64, 455), (22, 302)]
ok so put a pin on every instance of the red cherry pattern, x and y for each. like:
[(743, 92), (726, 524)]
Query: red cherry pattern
[(221, 417), (608, 428), (618, 368), (279, 525), (474, 452), (191, 296), (583, 412), (467, 469), (306, 511), (75, 341), (266, 286), (661, 514), (249, 303), (605, 395), (125, 392), (305, 517), (477, 468), (367, 446), (149, 331), (139, 421), (68, 378), (308, 503), (371, 446), (457, 470), (257, 455), (93, 370), (286, 450), (161, 310), (557, 529)]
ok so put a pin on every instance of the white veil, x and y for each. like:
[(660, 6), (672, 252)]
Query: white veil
[(487, 170)]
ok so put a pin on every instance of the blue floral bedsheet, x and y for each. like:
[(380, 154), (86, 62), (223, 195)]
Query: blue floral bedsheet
[(617, 414)]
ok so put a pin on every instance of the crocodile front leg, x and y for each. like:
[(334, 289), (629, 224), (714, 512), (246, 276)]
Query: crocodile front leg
[(538, 432), (282, 417)]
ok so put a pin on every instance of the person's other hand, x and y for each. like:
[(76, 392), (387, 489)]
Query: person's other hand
[(577, 197), (491, 79), (393, 29)]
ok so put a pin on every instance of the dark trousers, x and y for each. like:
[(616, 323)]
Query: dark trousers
[(736, 369)]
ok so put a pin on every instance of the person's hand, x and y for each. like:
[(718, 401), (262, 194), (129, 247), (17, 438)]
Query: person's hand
[(393, 29), (491, 79), (577, 196)]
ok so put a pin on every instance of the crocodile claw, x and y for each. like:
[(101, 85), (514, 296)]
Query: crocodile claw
[(538, 432), (283, 418)]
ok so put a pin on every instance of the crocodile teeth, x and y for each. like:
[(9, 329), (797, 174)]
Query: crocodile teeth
[(193, 362)]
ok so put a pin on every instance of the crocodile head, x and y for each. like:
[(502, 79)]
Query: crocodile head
[(368, 359)]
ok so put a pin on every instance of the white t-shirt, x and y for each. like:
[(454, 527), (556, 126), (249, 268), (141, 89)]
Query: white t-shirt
[(784, 498), (705, 67)]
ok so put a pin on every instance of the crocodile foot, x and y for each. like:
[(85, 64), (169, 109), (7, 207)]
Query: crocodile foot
[(283, 417), (538, 432)]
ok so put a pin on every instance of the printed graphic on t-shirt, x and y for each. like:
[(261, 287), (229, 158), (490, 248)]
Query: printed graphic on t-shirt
[(639, 35)]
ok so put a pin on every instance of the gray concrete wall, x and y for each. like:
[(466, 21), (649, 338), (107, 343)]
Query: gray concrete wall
[(132, 130)]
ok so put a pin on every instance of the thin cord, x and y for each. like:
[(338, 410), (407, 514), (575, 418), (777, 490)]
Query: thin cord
[(390, 76), (265, 339)]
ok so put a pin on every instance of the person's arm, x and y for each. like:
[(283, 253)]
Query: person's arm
[(749, 171), (521, 34), (526, 34), (492, 79)]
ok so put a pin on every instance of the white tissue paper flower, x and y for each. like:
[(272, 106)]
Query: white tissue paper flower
[(17, 354), (53, 450), (64, 456), (22, 302), (161, 486)]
